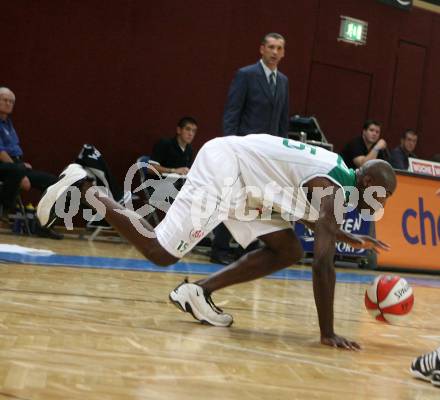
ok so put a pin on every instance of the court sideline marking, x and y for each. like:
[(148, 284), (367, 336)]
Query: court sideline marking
[(130, 264)]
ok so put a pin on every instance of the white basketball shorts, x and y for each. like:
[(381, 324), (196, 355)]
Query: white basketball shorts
[(213, 193)]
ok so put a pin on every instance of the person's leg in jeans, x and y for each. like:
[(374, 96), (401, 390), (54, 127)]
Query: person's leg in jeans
[(39, 179), (221, 252), (42, 180), (11, 176)]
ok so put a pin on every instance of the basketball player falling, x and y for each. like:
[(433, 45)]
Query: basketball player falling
[(235, 174)]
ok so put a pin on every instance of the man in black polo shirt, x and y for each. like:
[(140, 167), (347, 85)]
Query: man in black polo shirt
[(368, 146), (174, 155)]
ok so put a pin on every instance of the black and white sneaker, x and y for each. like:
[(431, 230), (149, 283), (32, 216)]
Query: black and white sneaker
[(427, 367), (72, 175), (435, 379), (190, 297)]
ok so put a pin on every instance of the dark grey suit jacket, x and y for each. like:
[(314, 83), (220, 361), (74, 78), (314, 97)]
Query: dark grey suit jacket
[(251, 108)]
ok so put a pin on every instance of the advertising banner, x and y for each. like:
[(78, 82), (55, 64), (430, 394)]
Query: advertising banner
[(353, 223), (424, 167), (411, 225)]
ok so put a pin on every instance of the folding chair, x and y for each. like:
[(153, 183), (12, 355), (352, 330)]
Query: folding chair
[(142, 163), (97, 229), (24, 215), (143, 176)]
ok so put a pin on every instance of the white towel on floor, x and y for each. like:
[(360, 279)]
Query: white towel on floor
[(14, 248)]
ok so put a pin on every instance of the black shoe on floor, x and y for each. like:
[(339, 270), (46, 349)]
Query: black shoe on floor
[(222, 258), (48, 233)]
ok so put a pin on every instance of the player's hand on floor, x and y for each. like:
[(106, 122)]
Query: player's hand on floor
[(339, 341), (373, 244), (366, 242)]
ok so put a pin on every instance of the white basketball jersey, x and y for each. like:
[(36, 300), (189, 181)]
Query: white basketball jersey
[(275, 169)]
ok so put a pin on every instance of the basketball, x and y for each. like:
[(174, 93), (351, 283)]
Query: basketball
[(389, 299)]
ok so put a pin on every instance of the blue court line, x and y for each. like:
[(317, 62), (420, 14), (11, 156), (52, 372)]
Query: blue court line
[(131, 264)]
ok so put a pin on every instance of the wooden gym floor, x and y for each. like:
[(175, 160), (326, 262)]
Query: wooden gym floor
[(96, 333)]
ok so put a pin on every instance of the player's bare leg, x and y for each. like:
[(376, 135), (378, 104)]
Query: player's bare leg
[(148, 246), (281, 249), (115, 214)]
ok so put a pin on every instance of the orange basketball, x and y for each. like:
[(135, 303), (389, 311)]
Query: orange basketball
[(389, 298)]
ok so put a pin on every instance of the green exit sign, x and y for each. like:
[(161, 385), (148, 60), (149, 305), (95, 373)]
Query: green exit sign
[(353, 30)]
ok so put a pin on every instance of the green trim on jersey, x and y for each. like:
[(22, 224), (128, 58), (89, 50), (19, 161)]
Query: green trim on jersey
[(345, 176)]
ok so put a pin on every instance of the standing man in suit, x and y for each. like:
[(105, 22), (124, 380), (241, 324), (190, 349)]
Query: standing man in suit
[(258, 99), (258, 102)]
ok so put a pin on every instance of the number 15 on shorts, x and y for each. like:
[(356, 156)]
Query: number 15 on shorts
[(182, 246)]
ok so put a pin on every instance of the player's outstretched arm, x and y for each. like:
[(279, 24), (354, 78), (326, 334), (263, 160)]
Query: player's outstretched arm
[(356, 241), (324, 277), (362, 241)]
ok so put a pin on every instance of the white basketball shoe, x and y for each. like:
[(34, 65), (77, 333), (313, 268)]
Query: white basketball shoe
[(190, 298), (427, 367), (72, 175)]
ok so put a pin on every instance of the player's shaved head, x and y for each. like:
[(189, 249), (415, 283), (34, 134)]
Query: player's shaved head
[(376, 182), (379, 173)]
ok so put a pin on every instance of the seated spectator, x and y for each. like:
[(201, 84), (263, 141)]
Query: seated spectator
[(174, 155), (14, 172), (368, 146), (399, 155)]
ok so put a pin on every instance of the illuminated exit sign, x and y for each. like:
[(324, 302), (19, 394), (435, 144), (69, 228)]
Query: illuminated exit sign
[(353, 30)]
